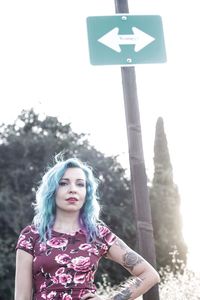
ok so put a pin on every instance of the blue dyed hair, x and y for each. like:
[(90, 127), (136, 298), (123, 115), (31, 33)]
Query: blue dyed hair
[(45, 207)]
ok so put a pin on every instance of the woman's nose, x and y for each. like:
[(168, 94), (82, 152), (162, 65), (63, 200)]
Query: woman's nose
[(72, 188)]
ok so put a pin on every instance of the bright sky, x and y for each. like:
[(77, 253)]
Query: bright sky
[(44, 63)]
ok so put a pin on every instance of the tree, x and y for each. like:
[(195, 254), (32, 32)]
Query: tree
[(165, 203), (26, 147)]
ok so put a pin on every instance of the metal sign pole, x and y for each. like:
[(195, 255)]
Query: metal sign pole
[(141, 205)]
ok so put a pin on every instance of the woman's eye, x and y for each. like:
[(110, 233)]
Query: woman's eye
[(78, 184), (62, 183), (81, 184)]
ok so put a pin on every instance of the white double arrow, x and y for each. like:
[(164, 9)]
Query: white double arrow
[(113, 39)]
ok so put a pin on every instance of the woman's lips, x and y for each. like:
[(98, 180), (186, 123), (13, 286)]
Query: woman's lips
[(71, 200)]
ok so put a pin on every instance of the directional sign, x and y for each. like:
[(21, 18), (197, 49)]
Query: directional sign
[(113, 39), (126, 39)]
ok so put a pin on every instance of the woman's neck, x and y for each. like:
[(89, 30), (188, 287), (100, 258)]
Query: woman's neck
[(66, 223)]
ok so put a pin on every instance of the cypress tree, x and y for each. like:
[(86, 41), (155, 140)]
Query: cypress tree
[(165, 205)]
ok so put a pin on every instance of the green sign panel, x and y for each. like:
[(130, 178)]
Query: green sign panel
[(126, 39)]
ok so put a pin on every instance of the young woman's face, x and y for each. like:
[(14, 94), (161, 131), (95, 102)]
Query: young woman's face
[(71, 192)]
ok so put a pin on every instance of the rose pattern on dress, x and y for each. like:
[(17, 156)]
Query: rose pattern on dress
[(64, 266), (62, 259), (26, 244), (103, 231), (104, 247), (66, 297), (90, 276), (57, 242), (34, 230), (54, 279), (43, 286), (79, 278), (43, 247), (89, 248), (51, 295), (43, 296), (109, 239), (60, 271), (81, 264), (85, 247), (83, 292), (21, 238), (65, 278)]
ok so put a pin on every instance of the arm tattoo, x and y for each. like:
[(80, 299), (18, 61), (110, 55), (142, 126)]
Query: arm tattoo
[(137, 282), (131, 259), (123, 295), (121, 244)]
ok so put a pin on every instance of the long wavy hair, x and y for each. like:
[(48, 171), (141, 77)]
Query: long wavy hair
[(45, 206)]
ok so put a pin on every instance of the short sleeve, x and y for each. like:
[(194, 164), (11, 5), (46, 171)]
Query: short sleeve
[(27, 239), (107, 237)]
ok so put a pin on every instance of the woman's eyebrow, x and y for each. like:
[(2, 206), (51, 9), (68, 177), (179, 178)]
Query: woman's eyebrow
[(77, 179)]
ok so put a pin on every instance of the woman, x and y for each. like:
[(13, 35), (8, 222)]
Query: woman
[(58, 254)]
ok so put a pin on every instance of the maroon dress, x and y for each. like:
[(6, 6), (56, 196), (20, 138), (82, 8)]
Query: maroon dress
[(64, 266)]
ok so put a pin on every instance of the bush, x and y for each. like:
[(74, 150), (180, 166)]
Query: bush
[(184, 285)]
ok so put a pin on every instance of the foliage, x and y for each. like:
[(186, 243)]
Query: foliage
[(26, 148), (165, 203), (182, 285)]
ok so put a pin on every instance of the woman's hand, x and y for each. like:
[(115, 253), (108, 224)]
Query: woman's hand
[(92, 296)]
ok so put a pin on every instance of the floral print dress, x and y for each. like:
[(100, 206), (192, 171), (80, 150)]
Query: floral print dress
[(64, 266)]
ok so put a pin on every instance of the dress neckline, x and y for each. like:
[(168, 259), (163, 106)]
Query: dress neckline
[(55, 232)]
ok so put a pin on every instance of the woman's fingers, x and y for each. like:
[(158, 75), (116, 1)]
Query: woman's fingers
[(88, 296), (92, 296)]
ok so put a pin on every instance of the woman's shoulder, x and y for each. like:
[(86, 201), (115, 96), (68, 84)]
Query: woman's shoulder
[(105, 237), (30, 230), (102, 228), (105, 233), (27, 238)]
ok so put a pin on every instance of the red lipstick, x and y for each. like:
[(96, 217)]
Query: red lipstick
[(71, 200)]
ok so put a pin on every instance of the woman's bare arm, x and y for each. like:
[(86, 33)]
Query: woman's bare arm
[(144, 275), (23, 276)]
